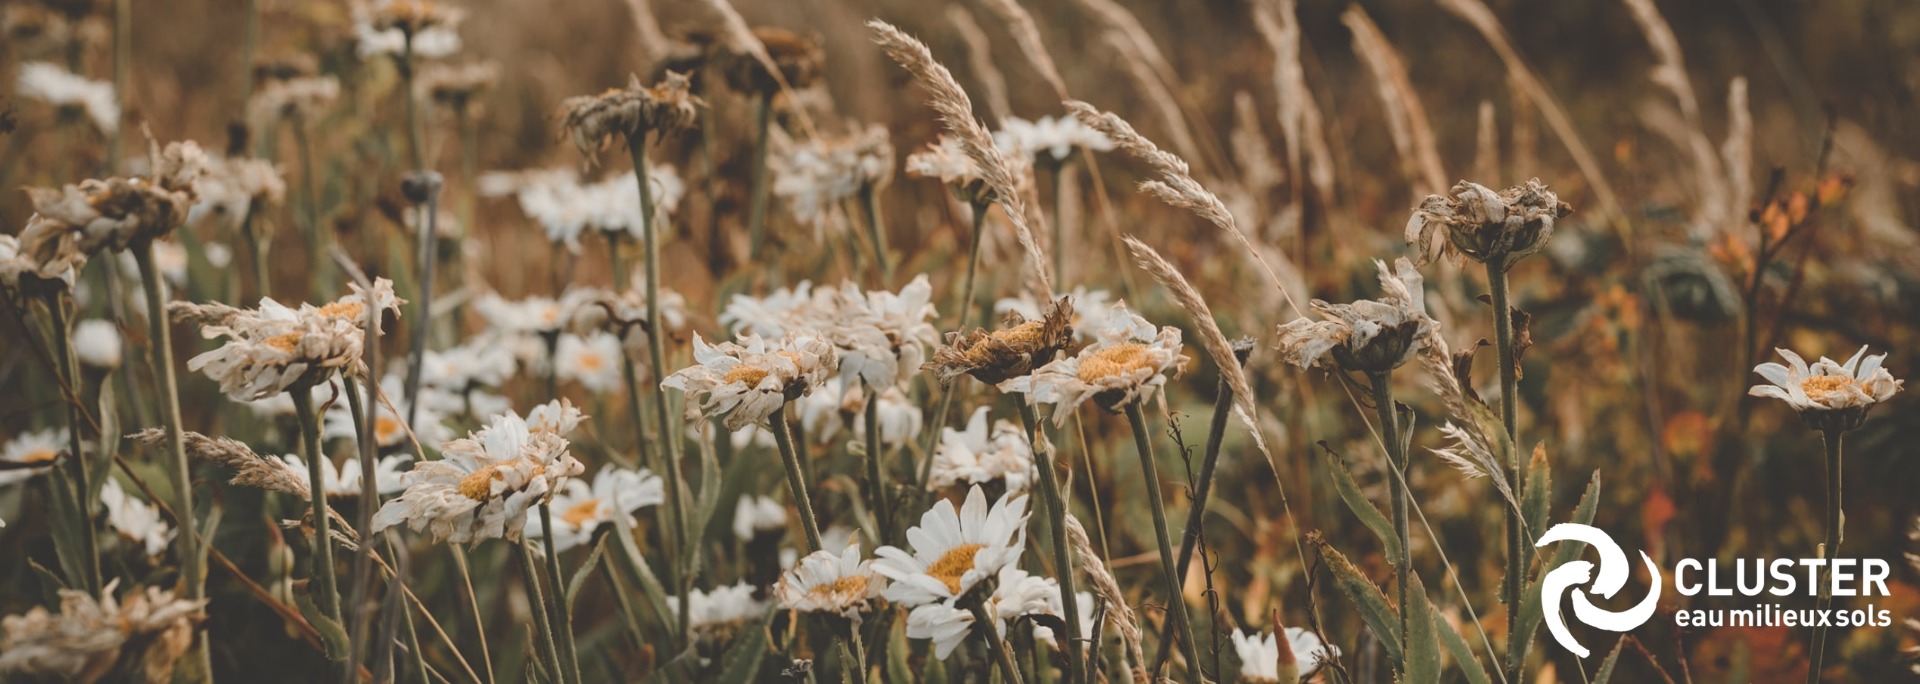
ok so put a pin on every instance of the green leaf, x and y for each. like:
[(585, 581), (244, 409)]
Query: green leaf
[(1535, 501), (1605, 673), (741, 664), (635, 568), (585, 572), (1564, 552), (1423, 645), (1366, 596), (898, 669), (333, 637), (1450, 639), (1363, 509)]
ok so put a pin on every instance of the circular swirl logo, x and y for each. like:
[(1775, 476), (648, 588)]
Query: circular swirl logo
[(1612, 575)]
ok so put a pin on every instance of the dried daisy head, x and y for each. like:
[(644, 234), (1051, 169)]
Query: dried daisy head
[(1830, 396), (232, 187), (457, 86), (73, 222), (20, 274), (745, 382), (1129, 363), (276, 348), (411, 17), (1494, 228), (301, 98), (135, 638), (799, 59), (1018, 347), (483, 484), (816, 176), (592, 121), (1370, 335)]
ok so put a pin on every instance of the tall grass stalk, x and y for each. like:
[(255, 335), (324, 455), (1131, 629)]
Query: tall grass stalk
[(1831, 438), (1390, 439), (323, 587), (542, 620), (876, 470), (160, 356), (1055, 504), (428, 184), (80, 492), (1203, 487), (877, 230), (1176, 603), (1509, 417), (557, 609)]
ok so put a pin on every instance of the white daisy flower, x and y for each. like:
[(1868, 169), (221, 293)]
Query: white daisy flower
[(389, 475), (64, 89), (945, 159), (977, 456), (819, 174), (579, 509), (743, 383), (566, 206), (879, 334), (390, 430), (1827, 389), (96, 343), (1264, 659), (1016, 593), (825, 411), (624, 314), (955, 550), (275, 348), (468, 366), (783, 311), (38, 448), (483, 485), (714, 615), (753, 515), (135, 520), (83, 642), (380, 29), (1058, 138), (1368, 335), (591, 360), (231, 188), (840, 584), (1129, 363)]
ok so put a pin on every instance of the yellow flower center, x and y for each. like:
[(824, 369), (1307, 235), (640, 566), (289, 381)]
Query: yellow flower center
[(1023, 337), (747, 374), (953, 564), (591, 362), (386, 429), (1115, 361), (1821, 386), (39, 456), (343, 309), (284, 343), (479, 485), (850, 586), (578, 514)]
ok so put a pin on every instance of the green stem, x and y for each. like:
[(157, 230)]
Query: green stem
[(983, 625), (557, 609), (1055, 509), (757, 200), (423, 326), (1396, 487), (1203, 488), (876, 472), (1176, 603), (160, 352), (317, 235), (1828, 550), (82, 487), (973, 264), (1509, 417), (324, 589), (256, 252), (876, 231), (796, 480), (1055, 169), (537, 602)]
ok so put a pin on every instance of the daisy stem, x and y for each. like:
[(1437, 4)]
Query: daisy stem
[(1055, 169), (796, 481), (1203, 487), (1509, 417), (557, 601), (630, 374), (1396, 487), (1176, 603), (854, 655), (1832, 439), (160, 352), (757, 201), (876, 472), (542, 626), (876, 231), (423, 326), (256, 253), (656, 356), (81, 491), (323, 587), (1056, 512), (973, 264), (369, 497), (983, 624), (317, 242)]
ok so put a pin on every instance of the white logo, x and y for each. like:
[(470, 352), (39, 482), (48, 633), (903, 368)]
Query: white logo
[(1613, 575)]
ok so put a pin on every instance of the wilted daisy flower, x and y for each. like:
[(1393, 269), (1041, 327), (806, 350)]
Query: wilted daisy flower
[(1020, 345), (591, 360), (715, 615), (1048, 139), (135, 520), (456, 86), (955, 550), (72, 92), (624, 314), (798, 58), (593, 120), (815, 176), (75, 221), (137, 638), (274, 348), (1093, 310), (390, 430), (565, 206), (1370, 335), (745, 382), (344, 482), (20, 273), (946, 159), (1264, 659), (232, 187), (174, 264), (302, 99), (473, 364), (384, 27), (280, 406), (96, 342), (976, 456), (753, 515), (534, 315), (879, 333), (35, 448), (1495, 228), (1828, 395), (783, 311), (483, 484), (1128, 363), (841, 584), (579, 509)]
